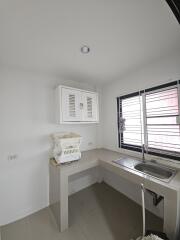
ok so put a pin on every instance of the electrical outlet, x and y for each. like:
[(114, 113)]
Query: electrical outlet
[(12, 157), (90, 143)]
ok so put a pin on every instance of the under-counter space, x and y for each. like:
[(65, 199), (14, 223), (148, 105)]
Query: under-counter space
[(104, 158)]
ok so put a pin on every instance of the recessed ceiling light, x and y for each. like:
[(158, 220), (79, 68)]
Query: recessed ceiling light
[(85, 49)]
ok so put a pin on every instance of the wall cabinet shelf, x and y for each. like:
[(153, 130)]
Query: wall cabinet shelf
[(76, 105)]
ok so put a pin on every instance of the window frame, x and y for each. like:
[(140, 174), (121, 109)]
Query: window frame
[(175, 7), (165, 86)]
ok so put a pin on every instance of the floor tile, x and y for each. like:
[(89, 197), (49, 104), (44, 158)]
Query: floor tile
[(16, 231)]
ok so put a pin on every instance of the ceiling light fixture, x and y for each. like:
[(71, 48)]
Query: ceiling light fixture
[(85, 49)]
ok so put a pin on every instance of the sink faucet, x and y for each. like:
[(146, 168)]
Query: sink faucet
[(143, 151)]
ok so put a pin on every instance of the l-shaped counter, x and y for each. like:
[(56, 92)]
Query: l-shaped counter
[(103, 158)]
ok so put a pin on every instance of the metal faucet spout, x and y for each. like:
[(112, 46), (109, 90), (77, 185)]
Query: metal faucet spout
[(143, 151)]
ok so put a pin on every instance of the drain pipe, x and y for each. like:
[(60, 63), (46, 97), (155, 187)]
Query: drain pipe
[(156, 198), (143, 209)]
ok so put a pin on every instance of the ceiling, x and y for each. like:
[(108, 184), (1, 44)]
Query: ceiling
[(46, 36)]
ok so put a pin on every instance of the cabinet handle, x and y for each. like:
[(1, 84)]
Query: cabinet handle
[(81, 105)]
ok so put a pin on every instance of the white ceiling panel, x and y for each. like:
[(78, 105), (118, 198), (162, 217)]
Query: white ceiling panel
[(46, 36)]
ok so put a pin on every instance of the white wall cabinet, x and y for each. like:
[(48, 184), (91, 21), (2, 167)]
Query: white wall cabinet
[(76, 105)]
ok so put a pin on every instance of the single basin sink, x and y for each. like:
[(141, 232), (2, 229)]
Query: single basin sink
[(155, 170)]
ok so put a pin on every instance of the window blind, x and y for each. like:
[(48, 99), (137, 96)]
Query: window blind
[(151, 117), (131, 121), (163, 130)]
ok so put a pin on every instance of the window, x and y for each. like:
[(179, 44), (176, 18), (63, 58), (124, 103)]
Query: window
[(151, 118)]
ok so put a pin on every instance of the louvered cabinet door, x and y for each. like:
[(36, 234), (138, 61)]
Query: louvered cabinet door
[(71, 105), (90, 107)]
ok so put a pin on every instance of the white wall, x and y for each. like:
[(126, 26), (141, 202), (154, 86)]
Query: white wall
[(27, 117), (156, 73)]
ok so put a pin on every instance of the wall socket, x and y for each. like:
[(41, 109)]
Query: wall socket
[(12, 157), (90, 143)]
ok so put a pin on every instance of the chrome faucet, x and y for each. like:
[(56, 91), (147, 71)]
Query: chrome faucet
[(143, 151)]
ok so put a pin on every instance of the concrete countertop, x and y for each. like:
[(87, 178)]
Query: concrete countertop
[(105, 158)]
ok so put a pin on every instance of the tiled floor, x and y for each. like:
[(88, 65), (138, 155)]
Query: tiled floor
[(95, 213)]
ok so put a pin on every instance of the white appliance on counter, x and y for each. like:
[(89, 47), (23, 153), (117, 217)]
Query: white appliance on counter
[(66, 147)]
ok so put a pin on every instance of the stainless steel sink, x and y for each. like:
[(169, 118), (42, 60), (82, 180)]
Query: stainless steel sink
[(153, 169)]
